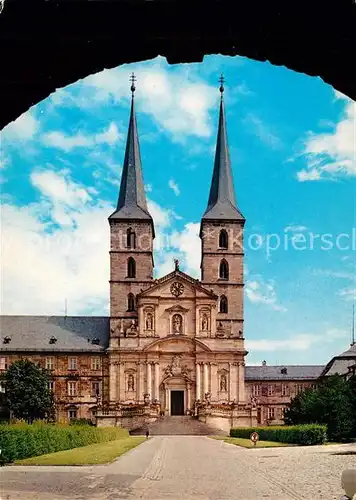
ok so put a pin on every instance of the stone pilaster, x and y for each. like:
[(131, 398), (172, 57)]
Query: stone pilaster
[(214, 381), (197, 382), (149, 379), (206, 379), (156, 392), (112, 381), (122, 381), (139, 381), (241, 381)]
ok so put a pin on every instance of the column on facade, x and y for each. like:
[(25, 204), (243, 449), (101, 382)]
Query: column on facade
[(231, 382), (206, 379), (149, 379), (156, 395), (122, 381), (112, 381), (197, 321), (138, 380), (241, 381), (214, 381), (197, 381), (188, 396)]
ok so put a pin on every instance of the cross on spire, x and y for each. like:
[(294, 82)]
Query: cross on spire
[(133, 79), (221, 81)]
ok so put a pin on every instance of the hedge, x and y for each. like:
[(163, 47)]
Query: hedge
[(20, 441), (297, 434)]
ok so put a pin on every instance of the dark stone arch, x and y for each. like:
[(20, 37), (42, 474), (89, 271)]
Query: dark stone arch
[(46, 45), (223, 239), (224, 270), (224, 305), (131, 268)]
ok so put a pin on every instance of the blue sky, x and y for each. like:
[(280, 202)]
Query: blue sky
[(292, 144)]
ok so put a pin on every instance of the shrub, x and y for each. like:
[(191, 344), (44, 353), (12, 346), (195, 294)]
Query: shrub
[(295, 434), (20, 441)]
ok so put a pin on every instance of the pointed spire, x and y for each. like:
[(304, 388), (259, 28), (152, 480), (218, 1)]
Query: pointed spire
[(132, 202), (222, 201)]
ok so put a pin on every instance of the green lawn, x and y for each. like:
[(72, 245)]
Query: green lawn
[(246, 443), (100, 453)]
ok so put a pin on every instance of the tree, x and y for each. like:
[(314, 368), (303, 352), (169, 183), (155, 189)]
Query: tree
[(27, 395), (331, 403)]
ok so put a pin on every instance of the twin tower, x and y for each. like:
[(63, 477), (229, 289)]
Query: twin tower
[(221, 232)]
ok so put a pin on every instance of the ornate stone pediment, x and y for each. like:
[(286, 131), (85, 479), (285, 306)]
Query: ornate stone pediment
[(176, 309), (175, 369)]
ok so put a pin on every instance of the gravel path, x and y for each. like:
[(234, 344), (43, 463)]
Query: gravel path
[(198, 468)]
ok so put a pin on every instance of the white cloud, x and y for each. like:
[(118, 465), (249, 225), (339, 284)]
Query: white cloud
[(263, 131), (58, 247), (65, 142), (348, 294), (298, 342), (259, 291), (331, 155), (25, 127), (174, 186), (179, 102), (295, 228), (55, 249)]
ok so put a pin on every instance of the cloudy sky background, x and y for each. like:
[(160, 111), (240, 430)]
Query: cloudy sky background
[(292, 144)]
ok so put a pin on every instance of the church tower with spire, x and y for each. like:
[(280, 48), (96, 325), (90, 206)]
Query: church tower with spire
[(131, 237), (221, 233)]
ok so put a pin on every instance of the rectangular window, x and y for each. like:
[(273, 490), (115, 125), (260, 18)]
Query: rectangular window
[(270, 390), (72, 414), (49, 363), (3, 363), (313, 386), (51, 385), (72, 388), (95, 388), (271, 413), (256, 390), (284, 390), (72, 363), (96, 364)]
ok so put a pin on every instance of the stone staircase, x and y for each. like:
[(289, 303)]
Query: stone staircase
[(178, 426)]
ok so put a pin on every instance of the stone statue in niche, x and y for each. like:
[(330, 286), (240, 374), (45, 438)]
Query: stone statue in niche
[(205, 323), (177, 324), (149, 321), (223, 383), (130, 382), (175, 367), (253, 402)]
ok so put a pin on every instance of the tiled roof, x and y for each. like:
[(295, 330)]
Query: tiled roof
[(72, 333), (301, 372), (349, 353)]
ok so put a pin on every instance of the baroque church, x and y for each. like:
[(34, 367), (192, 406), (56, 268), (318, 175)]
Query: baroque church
[(173, 345)]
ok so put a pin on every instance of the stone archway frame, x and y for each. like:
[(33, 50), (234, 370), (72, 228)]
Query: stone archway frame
[(180, 383), (198, 344), (316, 38)]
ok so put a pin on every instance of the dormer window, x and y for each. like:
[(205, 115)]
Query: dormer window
[(52, 340), (7, 340), (95, 341), (284, 371)]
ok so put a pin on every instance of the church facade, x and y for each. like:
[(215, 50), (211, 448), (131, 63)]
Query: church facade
[(173, 345), (177, 342)]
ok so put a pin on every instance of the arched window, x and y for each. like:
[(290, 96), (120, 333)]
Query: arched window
[(223, 304), (130, 302), (131, 268), (223, 239), (224, 270), (130, 238)]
